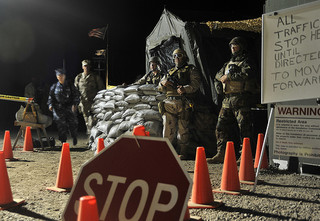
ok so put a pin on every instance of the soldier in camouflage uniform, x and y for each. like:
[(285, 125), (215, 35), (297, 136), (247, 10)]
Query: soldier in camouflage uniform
[(88, 83), (179, 85), (63, 101), (154, 75), (234, 81)]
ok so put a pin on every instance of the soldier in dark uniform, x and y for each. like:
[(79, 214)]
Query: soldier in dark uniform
[(63, 101), (236, 81), (180, 86), (154, 75)]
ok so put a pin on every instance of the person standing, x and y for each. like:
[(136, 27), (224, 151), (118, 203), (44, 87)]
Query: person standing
[(180, 86), (63, 101), (235, 81), (154, 75), (88, 84)]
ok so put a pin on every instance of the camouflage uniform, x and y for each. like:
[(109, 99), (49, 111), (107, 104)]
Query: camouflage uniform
[(177, 112), (150, 78), (61, 98), (236, 103), (88, 85)]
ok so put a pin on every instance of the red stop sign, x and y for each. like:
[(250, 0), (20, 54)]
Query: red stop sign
[(136, 178)]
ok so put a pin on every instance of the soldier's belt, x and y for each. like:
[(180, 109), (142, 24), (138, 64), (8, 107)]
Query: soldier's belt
[(233, 94), (174, 98)]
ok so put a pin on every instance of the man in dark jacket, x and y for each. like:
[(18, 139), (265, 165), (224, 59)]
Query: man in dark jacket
[(63, 101)]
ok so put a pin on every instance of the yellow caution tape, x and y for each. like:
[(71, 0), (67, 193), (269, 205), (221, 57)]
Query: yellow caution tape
[(15, 98)]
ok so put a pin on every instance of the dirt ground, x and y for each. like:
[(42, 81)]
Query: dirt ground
[(282, 196)]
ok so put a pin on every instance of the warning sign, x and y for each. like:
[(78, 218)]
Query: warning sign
[(297, 131)]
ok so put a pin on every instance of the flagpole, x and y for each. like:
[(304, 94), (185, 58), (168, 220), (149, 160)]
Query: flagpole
[(107, 58), (102, 33)]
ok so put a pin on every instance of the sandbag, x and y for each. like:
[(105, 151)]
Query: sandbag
[(141, 106), (125, 125), (148, 87), (128, 112), (114, 132), (147, 99), (131, 88), (154, 128), (132, 99), (119, 109), (121, 104), (116, 116), (104, 126), (107, 115), (149, 115)]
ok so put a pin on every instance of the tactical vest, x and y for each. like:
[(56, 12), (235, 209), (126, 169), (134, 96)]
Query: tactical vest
[(153, 79), (179, 76), (231, 87)]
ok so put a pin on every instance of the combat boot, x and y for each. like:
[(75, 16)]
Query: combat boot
[(184, 155), (218, 158)]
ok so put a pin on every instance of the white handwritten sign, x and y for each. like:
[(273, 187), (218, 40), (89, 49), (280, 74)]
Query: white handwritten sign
[(291, 54)]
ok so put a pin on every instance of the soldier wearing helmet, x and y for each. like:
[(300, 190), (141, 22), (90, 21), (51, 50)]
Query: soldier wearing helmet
[(180, 86), (154, 75), (88, 83), (234, 82)]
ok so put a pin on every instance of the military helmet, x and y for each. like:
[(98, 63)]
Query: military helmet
[(180, 51), (85, 62), (155, 59), (239, 41)]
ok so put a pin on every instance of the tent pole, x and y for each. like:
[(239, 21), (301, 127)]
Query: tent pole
[(263, 147)]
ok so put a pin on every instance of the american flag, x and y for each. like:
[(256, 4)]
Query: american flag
[(98, 32)]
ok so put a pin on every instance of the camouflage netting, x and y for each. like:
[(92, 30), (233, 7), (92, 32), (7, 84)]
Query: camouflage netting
[(119, 109), (253, 25)]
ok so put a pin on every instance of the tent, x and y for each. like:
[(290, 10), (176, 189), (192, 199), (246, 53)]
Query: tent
[(206, 45)]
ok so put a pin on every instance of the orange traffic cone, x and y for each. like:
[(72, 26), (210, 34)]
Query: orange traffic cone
[(230, 183), (100, 145), (246, 172), (264, 163), (28, 144), (202, 196), (6, 199), (140, 130), (7, 147), (88, 209), (64, 181)]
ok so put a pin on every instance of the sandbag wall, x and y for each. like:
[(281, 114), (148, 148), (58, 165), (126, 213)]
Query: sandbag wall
[(119, 109)]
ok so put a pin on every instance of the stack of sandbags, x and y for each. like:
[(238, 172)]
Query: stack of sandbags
[(119, 109)]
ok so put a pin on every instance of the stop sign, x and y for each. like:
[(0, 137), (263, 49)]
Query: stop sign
[(136, 178)]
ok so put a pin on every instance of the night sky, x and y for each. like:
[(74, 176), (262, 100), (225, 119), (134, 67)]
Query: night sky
[(37, 35)]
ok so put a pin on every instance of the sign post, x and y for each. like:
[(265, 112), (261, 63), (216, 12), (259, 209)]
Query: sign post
[(136, 178)]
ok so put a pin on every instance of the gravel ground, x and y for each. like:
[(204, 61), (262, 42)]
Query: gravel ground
[(282, 196)]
